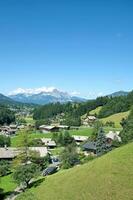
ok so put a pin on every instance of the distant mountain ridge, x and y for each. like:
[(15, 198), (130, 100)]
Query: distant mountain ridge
[(45, 96), (119, 93), (6, 100)]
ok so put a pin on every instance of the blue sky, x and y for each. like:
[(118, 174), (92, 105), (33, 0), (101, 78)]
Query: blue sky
[(84, 46)]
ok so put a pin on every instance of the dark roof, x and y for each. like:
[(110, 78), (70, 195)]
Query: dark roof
[(49, 170), (89, 146)]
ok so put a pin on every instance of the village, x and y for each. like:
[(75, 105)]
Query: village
[(48, 145)]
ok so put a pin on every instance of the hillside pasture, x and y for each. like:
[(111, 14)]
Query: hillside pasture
[(108, 177), (116, 118)]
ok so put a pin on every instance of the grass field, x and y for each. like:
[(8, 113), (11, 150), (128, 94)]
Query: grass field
[(108, 177), (7, 184), (29, 120), (116, 118), (15, 141), (95, 111)]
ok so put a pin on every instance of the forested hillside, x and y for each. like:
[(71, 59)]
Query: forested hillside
[(117, 105), (70, 112), (110, 105)]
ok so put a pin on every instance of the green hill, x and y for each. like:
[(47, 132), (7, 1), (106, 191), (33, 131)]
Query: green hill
[(108, 177), (116, 118), (95, 111)]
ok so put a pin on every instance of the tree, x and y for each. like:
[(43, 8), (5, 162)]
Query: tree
[(4, 168), (24, 143), (41, 162), (6, 116), (60, 138), (123, 122), (97, 126), (67, 139), (4, 141), (127, 132), (101, 144), (69, 157), (40, 122), (72, 120), (110, 123), (36, 143), (25, 173), (20, 121)]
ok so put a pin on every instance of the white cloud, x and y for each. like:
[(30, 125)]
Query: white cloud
[(32, 90)]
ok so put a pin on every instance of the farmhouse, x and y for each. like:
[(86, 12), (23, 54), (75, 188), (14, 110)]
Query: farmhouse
[(79, 139), (113, 136), (12, 129), (48, 142), (8, 130), (10, 153), (89, 147), (47, 129), (89, 119)]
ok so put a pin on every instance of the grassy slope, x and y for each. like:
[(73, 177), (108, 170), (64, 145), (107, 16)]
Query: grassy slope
[(96, 111), (109, 177), (116, 118)]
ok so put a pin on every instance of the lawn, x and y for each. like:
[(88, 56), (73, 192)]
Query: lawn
[(108, 177), (7, 184), (15, 141), (82, 131), (116, 118)]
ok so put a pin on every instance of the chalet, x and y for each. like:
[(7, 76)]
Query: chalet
[(48, 142), (10, 153), (113, 136), (8, 130), (63, 127), (79, 139), (90, 147), (89, 119), (12, 129), (47, 129)]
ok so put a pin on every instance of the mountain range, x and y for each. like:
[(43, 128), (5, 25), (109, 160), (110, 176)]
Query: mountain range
[(44, 96)]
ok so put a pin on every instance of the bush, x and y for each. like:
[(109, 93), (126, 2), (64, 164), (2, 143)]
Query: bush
[(4, 141), (4, 168), (69, 157)]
